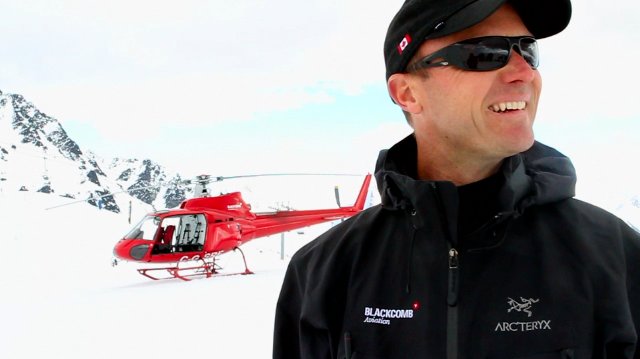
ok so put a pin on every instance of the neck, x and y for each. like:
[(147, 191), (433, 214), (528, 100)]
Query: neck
[(460, 169)]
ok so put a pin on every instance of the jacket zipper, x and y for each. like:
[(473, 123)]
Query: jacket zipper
[(452, 305), (453, 281)]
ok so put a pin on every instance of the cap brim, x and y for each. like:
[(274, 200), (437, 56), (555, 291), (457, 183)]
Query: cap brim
[(544, 18)]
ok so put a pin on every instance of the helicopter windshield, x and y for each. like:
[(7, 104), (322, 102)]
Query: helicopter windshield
[(145, 229)]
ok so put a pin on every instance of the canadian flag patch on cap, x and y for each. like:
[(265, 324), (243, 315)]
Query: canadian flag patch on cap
[(404, 43)]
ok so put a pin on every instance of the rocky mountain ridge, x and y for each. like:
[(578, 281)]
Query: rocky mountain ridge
[(37, 154)]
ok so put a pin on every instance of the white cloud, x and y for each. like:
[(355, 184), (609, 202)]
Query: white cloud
[(143, 64)]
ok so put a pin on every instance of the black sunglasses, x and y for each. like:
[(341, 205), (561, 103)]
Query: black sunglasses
[(481, 53)]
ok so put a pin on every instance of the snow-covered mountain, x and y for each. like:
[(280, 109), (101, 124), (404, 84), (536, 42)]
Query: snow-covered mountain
[(149, 182), (36, 154)]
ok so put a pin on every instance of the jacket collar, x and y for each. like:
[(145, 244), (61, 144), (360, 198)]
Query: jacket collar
[(537, 176)]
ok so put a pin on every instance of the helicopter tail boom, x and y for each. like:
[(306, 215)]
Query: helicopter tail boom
[(266, 224)]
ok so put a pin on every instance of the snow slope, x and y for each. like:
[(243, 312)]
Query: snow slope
[(62, 299)]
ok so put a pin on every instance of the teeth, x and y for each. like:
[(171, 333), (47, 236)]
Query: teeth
[(512, 105)]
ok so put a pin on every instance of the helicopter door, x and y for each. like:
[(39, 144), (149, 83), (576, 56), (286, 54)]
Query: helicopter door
[(191, 233)]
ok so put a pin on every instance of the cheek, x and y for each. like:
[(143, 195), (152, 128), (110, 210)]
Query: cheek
[(454, 95), (453, 101), (537, 88)]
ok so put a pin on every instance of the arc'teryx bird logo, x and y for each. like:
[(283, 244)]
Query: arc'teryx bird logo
[(523, 306)]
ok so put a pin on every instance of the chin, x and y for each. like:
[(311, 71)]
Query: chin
[(520, 139), (515, 145), (522, 145)]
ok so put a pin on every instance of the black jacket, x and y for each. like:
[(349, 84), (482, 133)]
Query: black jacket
[(547, 276)]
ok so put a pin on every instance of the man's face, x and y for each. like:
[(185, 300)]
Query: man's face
[(459, 110)]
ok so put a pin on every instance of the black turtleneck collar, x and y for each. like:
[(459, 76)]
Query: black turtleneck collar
[(478, 202)]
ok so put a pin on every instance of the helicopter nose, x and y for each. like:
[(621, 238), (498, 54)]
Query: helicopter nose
[(130, 250), (119, 250)]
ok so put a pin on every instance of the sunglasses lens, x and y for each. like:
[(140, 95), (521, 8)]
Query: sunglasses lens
[(529, 50), (491, 53)]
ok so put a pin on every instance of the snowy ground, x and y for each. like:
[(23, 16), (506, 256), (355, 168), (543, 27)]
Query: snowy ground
[(62, 299)]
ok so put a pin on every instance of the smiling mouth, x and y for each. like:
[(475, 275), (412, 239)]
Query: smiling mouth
[(508, 106)]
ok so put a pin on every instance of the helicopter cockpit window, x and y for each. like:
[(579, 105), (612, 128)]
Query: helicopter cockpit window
[(145, 229)]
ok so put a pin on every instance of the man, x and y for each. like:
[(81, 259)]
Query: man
[(478, 249)]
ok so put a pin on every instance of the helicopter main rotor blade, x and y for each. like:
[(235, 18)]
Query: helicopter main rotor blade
[(204, 180), (221, 178), (115, 193)]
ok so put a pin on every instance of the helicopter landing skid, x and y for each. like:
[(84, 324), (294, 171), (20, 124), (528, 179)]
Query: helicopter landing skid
[(207, 268)]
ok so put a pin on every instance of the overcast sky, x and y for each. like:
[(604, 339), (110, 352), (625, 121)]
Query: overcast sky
[(230, 87)]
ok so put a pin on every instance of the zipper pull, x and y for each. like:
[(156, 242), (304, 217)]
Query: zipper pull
[(452, 296)]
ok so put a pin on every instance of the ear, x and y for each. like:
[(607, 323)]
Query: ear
[(401, 91)]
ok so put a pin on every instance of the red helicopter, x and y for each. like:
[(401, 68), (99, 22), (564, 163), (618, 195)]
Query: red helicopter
[(193, 236)]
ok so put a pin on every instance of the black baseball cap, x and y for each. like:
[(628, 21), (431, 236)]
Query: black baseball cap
[(419, 20)]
